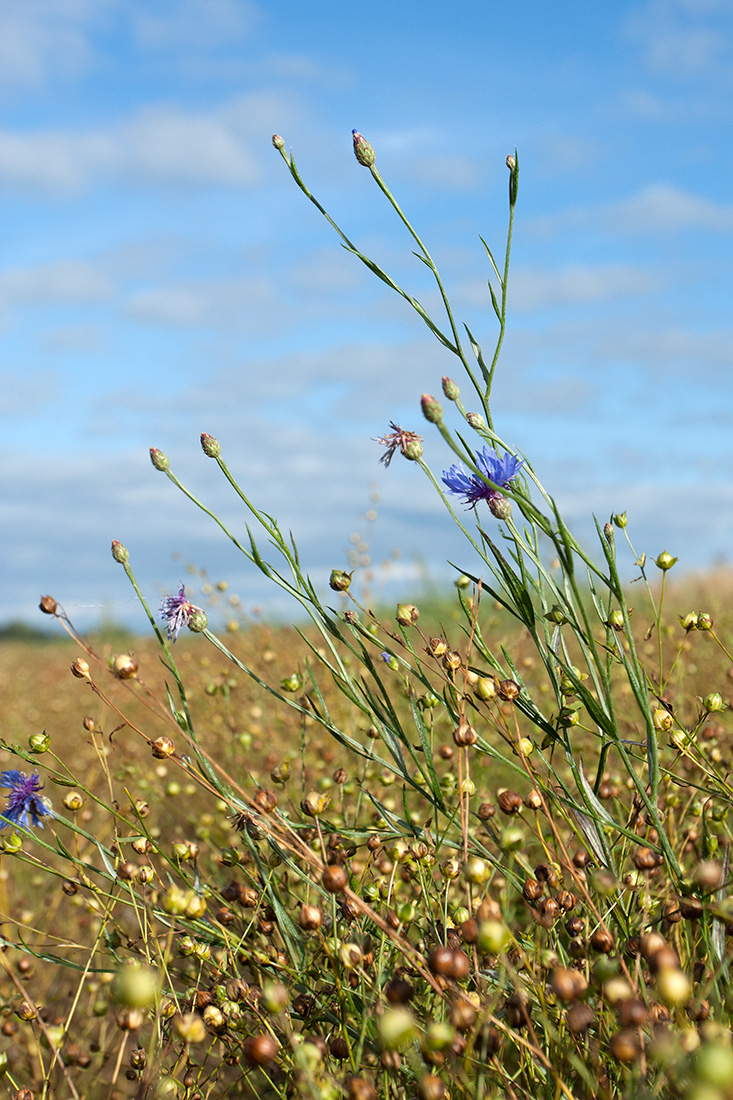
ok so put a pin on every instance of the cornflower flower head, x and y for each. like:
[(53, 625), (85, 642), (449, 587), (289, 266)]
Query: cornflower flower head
[(409, 443), (177, 611), (24, 805), (472, 487)]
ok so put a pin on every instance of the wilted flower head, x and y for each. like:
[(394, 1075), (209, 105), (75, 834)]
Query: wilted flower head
[(24, 806), (472, 487), (409, 443), (177, 611)]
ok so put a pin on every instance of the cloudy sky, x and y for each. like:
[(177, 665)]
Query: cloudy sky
[(161, 275)]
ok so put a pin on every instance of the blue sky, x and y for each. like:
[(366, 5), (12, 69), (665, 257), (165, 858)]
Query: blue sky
[(161, 275)]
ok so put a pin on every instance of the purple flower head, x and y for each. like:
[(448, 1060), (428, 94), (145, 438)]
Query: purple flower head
[(24, 806), (177, 611), (472, 487)]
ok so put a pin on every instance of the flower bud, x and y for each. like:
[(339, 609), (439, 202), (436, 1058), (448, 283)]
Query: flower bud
[(486, 688), (704, 621), (450, 389), (688, 621), (665, 561), (412, 450), (619, 519), (397, 1028), (189, 1027), (432, 410), (314, 804), (340, 580), (476, 421), (714, 702), (210, 446), (293, 682), (500, 507), (135, 986), (278, 142), (48, 604), (159, 460), (120, 553), (73, 801), (363, 151), (39, 742), (198, 621)]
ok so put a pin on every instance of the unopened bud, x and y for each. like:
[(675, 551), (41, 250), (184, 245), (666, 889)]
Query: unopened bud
[(714, 702), (500, 507), (198, 622), (450, 389), (120, 553), (340, 580), (210, 446), (619, 519), (159, 460), (363, 151), (688, 621), (413, 450), (407, 614), (704, 621), (39, 742), (665, 561), (432, 410), (278, 142), (476, 421)]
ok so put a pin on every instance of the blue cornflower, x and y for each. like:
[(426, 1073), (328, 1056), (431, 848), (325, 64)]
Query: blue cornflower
[(177, 611), (472, 487), (24, 806)]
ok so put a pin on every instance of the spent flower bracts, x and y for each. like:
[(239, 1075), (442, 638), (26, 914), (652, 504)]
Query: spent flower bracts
[(24, 806), (408, 443), (500, 471), (177, 612)]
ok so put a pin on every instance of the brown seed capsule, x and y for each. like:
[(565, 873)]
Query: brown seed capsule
[(509, 690), (339, 1048), (162, 748), (486, 811), (48, 605), (460, 965), (632, 1013), (80, 669), (690, 908), (469, 930), (463, 1014), (260, 1049), (567, 985), (624, 1046), (440, 961), (574, 926), (335, 878), (398, 991), (431, 1087), (358, 1088), (310, 918), (566, 900), (510, 802), (265, 801), (650, 943), (533, 800), (517, 1009), (464, 734), (532, 890), (601, 940), (645, 859), (452, 660), (125, 666), (579, 1017)]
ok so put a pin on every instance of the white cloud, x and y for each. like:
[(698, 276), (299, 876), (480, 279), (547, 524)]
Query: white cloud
[(183, 24), (234, 303), (579, 284), (656, 208), (71, 282), (43, 40), (157, 144), (676, 42)]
